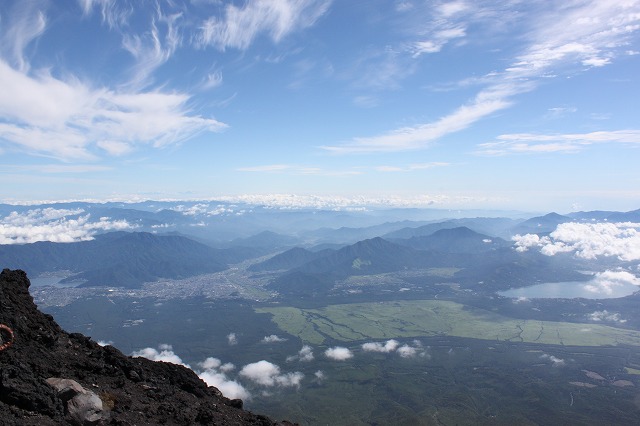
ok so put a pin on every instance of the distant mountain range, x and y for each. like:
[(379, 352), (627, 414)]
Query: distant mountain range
[(310, 245), (121, 258)]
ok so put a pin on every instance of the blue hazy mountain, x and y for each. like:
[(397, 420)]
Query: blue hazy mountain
[(455, 240), (121, 258), (541, 224)]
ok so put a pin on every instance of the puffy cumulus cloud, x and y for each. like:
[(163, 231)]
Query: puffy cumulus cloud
[(605, 282), (587, 240), (268, 374), (320, 376), (211, 370), (229, 388), (55, 225), (338, 353), (555, 361), (606, 316), (214, 374), (406, 351), (409, 351), (164, 353), (232, 339), (392, 345), (388, 346), (305, 354), (273, 339)]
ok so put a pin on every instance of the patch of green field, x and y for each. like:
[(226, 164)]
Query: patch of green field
[(632, 370), (385, 320)]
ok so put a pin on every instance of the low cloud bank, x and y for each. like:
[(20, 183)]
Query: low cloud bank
[(587, 240), (54, 225)]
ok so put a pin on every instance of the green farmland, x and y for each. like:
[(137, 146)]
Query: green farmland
[(386, 320)]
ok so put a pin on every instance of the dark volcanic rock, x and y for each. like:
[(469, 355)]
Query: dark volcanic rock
[(48, 376)]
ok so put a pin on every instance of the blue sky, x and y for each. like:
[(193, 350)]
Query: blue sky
[(452, 104)]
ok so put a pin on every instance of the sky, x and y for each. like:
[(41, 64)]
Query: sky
[(453, 104)]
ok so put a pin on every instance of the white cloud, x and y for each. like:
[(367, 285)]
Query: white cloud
[(406, 351), (529, 143), (320, 376), (154, 47), (276, 18), (388, 346), (304, 355), (165, 354), (338, 353), (232, 339), (69, 120), (605, 282), (408, 138), (23, 25), (562, 37), (273, 339), (214, 375), (268, 374), (587, 240), (605, 315), (229, 388), (53, 225), (555, 361), (114, 13)]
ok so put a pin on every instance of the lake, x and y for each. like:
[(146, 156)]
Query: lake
[(570, 290)]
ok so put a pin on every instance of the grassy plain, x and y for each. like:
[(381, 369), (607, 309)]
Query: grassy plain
[(397, 319)]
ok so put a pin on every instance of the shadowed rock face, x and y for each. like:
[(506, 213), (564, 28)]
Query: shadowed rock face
[(48, 376)]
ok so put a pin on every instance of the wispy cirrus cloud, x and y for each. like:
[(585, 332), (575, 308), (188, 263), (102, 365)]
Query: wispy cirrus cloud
[(583, 34), (115, 14), (154, 47), (528, 143), (25, 23), (241, 25)]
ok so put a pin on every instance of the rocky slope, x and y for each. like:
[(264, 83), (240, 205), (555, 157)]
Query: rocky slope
[(48, 376)]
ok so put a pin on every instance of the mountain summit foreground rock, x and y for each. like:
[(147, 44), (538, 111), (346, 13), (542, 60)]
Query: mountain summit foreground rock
[(49, 376)]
